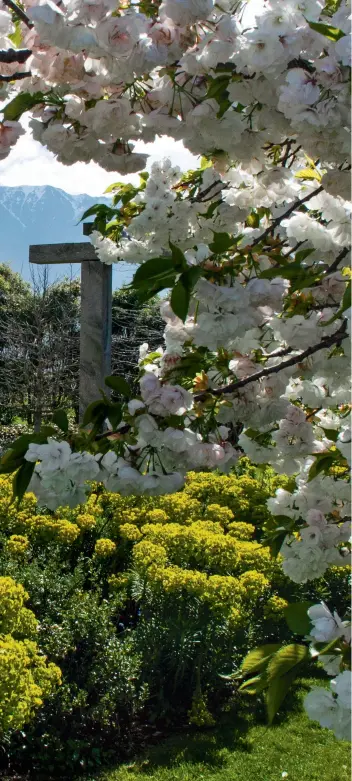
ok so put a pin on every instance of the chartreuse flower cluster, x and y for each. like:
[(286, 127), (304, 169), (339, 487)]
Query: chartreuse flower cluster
[(25, 676)]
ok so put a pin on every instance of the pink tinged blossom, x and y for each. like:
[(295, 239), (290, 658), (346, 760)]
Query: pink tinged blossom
[(9, 134)]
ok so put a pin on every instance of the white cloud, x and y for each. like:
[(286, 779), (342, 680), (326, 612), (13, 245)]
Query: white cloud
[(32, 164)]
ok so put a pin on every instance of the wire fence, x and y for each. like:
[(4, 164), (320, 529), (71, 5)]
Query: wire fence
[(39, 357)]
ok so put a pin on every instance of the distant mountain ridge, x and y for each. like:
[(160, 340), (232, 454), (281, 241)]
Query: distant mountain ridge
[(44, 215)]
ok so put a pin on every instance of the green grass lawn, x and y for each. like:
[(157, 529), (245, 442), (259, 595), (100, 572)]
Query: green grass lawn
[(238, 750)]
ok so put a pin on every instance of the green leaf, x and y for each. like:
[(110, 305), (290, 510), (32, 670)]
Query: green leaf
[(221, 243), (322, 463), (332, 33), (178, 258), (297, 618), (276, 541), (113, 187), (181, 293), (61, 420), (24, 101), (153, 269), (16, 37), (253, 220), (346, 301), (180, 298), (20, 446), (224, 104), (95, 413), (290, 271), (308, 173), (118, 384), (115, 414), (326, 648), (254, 685), (302, 254), (331, 433), (146, 292), (21, 480), (285, 658), (218, 87), (47, 431), (259, 658), (276, 693), (101, 211), (345, 304)]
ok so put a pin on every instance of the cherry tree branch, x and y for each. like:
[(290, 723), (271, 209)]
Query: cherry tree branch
[(115, 434), (14, 55), (327, 341), (200, 197), (16, 76), (287, 213), (19, 12), (335, 264)]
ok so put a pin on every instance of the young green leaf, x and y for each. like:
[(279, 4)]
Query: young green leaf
[(16, 37), (254, 685), (259, 658), (308, 173), (332, 33), (285, 658), (113, 187), (118, 384), (61, 420)]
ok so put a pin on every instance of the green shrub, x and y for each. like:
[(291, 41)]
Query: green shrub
[(142, 602), (25, 677)]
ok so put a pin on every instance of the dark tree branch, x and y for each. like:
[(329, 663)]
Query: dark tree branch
[(19, 12), (14, 55), (287, 213), (16, 76), (115, 434), (335, 264), (293, 249), (327, 341), (279, 353), (200, 197), (299, 63)]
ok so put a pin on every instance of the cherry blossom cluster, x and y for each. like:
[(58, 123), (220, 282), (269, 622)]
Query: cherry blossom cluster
[(332, 708), (228, 77)]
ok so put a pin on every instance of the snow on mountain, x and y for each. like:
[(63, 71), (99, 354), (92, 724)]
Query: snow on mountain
[(44, 215)]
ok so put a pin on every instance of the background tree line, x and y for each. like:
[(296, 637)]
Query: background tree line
[(39, 342)]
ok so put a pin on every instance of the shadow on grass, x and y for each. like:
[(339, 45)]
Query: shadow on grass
[(212, 747), (206, 747)]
